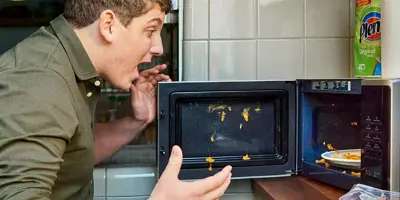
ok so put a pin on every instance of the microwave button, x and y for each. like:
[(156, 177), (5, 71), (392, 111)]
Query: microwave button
[(369, 139), (376, 138), (377, 146), (377, 132), (376, 123)]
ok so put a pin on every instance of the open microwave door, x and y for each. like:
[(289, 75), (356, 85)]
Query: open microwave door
[(330, 131), (248, 125)]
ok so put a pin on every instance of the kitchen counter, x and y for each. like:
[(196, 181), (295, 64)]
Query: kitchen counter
[(298, 188)]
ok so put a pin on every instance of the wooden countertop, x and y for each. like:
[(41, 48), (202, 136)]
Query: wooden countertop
[(295, 188)]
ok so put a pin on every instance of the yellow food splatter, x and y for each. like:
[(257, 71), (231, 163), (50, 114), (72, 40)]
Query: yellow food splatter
[(241, 125), (354, 123), (213, 108), (350, 156), (343, 172), (323, 143), (246, 157), (210, 160), (330, 147), (245, 114), (258, 109), (356, 173), (229, 108), (212, 137), (223, 116), (322, 161)]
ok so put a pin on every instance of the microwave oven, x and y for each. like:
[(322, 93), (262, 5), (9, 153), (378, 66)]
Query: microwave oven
[(341, 132)]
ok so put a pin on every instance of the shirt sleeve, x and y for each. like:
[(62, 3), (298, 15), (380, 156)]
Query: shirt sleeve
[(37, 120)]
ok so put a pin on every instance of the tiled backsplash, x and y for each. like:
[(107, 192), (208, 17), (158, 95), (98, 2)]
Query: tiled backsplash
[(266, 39)]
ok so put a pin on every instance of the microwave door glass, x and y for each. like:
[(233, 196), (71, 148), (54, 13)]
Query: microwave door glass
[(217, 130), (232, 128)]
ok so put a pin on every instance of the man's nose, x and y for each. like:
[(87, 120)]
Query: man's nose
[(157, 49)]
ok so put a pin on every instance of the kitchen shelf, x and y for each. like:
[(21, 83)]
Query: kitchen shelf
[(15, 22)]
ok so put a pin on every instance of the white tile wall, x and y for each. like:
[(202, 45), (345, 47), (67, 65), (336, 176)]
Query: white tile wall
[(230, 19), (280, 59), (198, 52), (327, 58), (267, 39), (327, 18), (196, 11), (230, 60), (281, 19)]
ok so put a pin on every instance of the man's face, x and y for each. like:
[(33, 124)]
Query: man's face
[(127, 47)]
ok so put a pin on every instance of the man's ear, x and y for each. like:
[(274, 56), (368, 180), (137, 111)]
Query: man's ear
[(108, 25)]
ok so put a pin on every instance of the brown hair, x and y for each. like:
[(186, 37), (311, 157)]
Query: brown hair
[(81, 13)]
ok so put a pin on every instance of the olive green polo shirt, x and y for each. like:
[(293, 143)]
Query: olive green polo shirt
[(48, 93)]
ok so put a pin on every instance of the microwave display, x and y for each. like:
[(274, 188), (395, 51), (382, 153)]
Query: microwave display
[(231, 127)]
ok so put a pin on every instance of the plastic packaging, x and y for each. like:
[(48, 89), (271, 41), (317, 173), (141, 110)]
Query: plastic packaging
[(364, 192), (367, 42)]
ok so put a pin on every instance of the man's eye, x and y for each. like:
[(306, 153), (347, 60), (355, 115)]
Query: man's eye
[(150, 32)]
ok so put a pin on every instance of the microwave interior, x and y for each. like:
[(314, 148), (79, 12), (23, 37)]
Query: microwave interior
[(331, 123), (344, 131)]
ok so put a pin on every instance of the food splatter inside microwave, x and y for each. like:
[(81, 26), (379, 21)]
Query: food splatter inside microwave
[(234, 129)]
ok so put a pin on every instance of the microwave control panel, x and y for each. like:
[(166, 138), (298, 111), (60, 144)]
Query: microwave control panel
[(375, 131), (372, 151)]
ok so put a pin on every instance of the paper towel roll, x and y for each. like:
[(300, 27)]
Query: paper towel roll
[(390, 38)]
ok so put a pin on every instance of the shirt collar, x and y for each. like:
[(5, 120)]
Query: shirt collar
[(76, 53)]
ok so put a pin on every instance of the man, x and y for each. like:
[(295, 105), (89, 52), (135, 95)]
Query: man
[(49, 86)]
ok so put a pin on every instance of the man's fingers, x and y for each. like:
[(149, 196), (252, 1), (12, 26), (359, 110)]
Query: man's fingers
[(218, 192), (174, 164), (161, 67), (150, 78), (148, 72), (211, 183), (153, 71), (155, 79), (161, 77)]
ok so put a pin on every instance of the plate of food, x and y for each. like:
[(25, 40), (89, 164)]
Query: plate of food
[(349, 158)]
